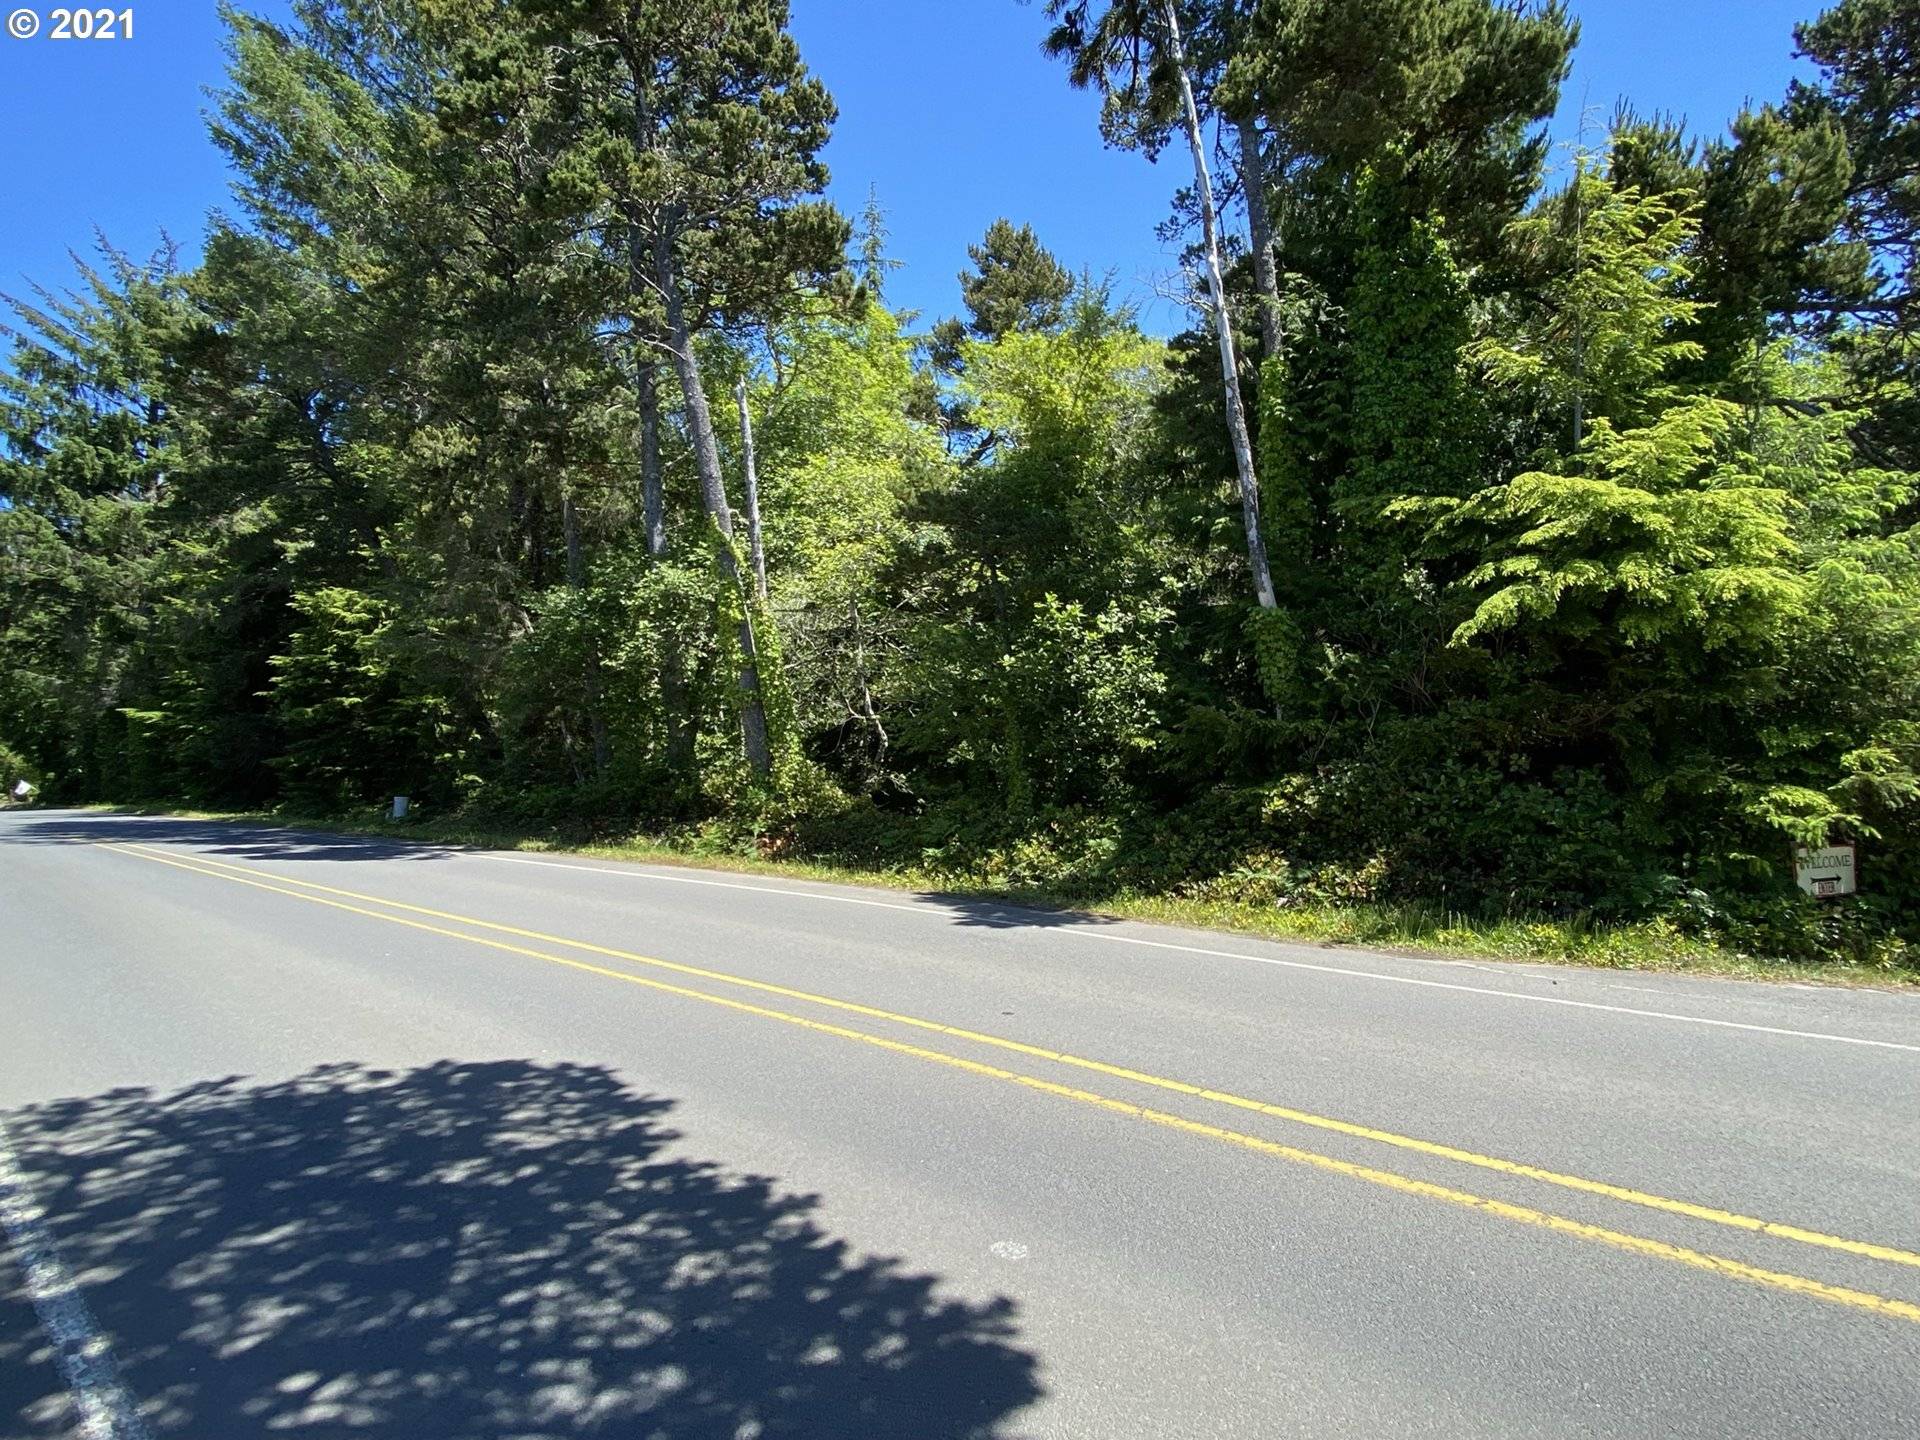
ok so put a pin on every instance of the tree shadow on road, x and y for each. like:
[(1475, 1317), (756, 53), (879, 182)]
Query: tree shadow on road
[(995, 914), (236, 838), (476, 1250), (241, 840)]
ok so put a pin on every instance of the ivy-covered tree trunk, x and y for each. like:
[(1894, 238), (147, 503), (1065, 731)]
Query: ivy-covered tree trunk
[(1266, 278)]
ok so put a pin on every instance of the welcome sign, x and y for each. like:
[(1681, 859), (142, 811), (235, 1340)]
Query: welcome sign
[(1825, 872)]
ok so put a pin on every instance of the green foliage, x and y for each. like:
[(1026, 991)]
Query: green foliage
[(1445, 96), (1054, 708), (841, 462), (1868, 90), (1415, 426), (15, 768), (1593, 514), (1278, 646), (1768, 207), (1661, 534), (1868, 86), (83, 458), (356, 727), (1015, 285), (1608, 323)]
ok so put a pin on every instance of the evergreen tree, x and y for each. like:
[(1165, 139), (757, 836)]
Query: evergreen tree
[(1129, 50), (1015, 285), (85, 463), (696, 129), (1446, 96), (1869, 88)]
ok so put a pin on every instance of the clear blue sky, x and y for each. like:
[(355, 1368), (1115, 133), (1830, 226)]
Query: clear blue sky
[(946, 106)]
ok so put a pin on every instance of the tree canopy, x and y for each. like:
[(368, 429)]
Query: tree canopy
[(1580, 501)]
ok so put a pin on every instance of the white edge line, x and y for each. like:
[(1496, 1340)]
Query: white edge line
[(1509, 994), (106, 1411), (1083, 932)]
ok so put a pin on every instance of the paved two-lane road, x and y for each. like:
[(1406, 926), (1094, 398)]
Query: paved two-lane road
[(310, 1136)]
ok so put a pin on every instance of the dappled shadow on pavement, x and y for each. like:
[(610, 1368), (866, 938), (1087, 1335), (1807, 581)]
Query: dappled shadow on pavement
[(215, 837), (476, 1250)]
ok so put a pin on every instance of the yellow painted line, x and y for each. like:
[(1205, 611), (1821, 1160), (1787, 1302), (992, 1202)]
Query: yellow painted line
[(1774, 1228), (1404, 1184), (1634, 1244)]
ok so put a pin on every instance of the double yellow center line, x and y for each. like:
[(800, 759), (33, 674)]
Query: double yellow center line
[(318, 894)]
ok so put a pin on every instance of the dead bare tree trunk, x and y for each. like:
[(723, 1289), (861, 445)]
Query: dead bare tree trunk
[(756, 552), (713, 496), (1222, 320), (862, 682)]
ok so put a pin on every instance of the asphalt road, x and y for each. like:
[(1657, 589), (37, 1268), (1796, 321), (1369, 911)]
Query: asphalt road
[(315, 1136)]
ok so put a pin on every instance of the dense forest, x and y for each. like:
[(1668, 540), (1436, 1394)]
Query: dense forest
[(1511, 533)]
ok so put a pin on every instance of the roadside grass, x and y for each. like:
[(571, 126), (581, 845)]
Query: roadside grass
[(1647, 946)]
